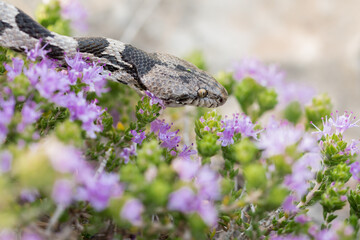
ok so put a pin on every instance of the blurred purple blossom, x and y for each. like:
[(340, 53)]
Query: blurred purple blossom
[(353, 147), (183, 200), (5, 161), (16, 70), (138, 137), (127, 152), (30, 235), (302, 219), (302, 172), (7, 108), (37, 52), (289, 205), (235, 125), (289, 237), (132, 210), (30, 114), (7, 234), (63, 192), (74, 11), (272, 76), (207, 183), (107, 183), (278, 136), (208, 213), (355, 170), (184, 165), (185, 168), (29, 195)]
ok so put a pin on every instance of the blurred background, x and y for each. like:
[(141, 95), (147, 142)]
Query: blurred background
[(315, 42)]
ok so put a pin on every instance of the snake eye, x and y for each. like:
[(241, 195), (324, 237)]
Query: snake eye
[(202, 92)]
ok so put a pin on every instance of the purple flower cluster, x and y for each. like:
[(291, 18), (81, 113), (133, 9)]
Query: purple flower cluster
[(7, 108), (15, 70), (83, 185), (355, 170), (74, 11), (154, 99), (55, 86), (131, 211), (337, 124), (127, 152), (170, 140), (302, 172), (238, 124), (5, 161), (138, 137), (272, 76), (278, 136), (30, 114), (207, 185)]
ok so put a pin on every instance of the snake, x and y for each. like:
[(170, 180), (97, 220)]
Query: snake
[(173, 80)]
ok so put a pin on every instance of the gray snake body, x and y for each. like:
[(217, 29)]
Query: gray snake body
[(171, 79)]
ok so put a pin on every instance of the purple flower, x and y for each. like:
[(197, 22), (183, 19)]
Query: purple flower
[(5, 161), (92, 77), (132, 210), (69, 161), (74, 11), (355, 170), (289, 205), (302, 219), (138, 137), (7, 108), (29, 235), (326, 234), (127, 152), (264, 75), (272, 76), (277, 137), (154, 99), (169, 139), (16, 70), (327, 128), (29, 195), (207, 183), (76, 64), (289, 237), (186, 168), (226, 137), (98, 191), (30, 114), (183, 200), (38, 51), (353, 148), (63, 192), (343, 122), (302, 172), (7, 234), (236, 125), (88, 113), (208, 213), (187, 152)]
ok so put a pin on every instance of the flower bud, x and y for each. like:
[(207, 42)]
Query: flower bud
[(255, 177), (321, 106), (293, 112)]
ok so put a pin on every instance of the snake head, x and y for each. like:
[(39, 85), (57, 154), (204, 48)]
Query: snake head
[(175, 81)]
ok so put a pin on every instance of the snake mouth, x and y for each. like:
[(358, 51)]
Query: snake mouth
[(197, 102)]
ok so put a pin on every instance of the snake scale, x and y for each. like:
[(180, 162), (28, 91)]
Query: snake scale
[(171, 79)]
